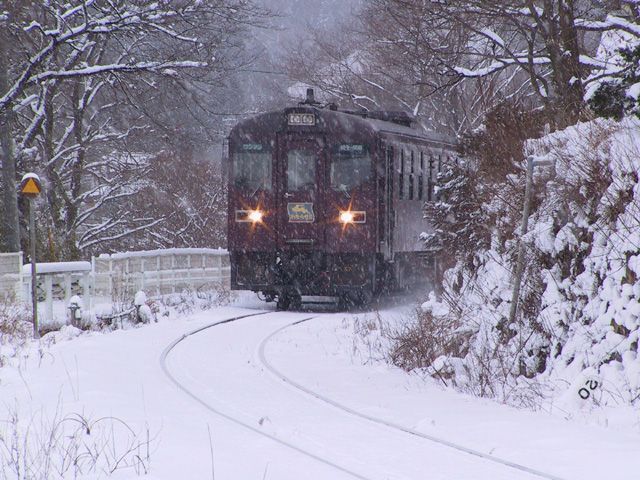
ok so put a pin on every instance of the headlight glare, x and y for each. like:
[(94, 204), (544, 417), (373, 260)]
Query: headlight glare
[(249, 216), (255, 216), (346, 217)]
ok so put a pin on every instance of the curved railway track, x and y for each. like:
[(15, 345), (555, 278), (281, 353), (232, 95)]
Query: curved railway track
[(261, 352), (441, 441), (194, 396)]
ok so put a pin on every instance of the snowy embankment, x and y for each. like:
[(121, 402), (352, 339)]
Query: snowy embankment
[(593, 310), (574, 344), (245, 422), (326, 359)]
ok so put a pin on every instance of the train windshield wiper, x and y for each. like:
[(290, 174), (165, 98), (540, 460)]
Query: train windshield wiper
[(343, 188)]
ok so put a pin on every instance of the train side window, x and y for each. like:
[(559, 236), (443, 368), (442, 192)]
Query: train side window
[(301, 170), (421, 177), (412, 169), (401, 176)]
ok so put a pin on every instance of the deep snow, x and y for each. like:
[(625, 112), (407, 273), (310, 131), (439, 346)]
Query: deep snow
[(119, 374)]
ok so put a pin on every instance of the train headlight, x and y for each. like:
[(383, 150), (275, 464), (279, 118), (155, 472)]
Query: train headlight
[(348, 217), (249, 216), (255, 216)]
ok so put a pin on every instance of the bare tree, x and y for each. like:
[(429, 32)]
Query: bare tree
[(552, 42), (399, 56), (451, 62), (193, 204), (79, 100)]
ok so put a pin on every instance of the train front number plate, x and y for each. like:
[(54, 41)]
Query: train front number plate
[(300, 212)]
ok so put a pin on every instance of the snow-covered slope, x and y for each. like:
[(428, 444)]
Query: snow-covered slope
[(575, 339)]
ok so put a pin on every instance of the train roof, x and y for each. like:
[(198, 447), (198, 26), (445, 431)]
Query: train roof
[(388, 126), (333, 119)]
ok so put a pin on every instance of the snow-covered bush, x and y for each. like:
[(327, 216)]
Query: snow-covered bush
[(579, 308), (16, 328), (477, 201), (209, 296), (429, 336), (458, 218), (144, 312), (618, 94), (214, 295), (369, 336)]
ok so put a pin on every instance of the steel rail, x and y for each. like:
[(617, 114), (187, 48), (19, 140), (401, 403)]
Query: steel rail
[(461, 448), (230, 418)]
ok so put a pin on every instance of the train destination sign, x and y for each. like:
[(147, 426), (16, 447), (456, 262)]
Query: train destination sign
[(252, 147), (308, 119), (300, 212), (351, 147)]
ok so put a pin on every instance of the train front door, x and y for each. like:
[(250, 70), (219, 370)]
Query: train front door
[(300, 192)]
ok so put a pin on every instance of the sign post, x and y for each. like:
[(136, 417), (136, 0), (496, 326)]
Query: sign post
[(30, 187), (528, 193)]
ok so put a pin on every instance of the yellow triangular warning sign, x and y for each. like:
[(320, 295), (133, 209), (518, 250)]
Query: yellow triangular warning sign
[(31, 187)]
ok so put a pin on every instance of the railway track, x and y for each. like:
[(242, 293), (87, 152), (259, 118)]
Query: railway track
[(261, 353), (431, 438), (194, 396)]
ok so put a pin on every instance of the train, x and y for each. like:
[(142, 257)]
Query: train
[(327, 202)]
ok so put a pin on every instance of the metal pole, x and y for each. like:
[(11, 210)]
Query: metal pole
[(32, 241), (517, 279)]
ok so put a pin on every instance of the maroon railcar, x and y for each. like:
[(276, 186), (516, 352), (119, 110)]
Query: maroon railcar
[(326, 202)]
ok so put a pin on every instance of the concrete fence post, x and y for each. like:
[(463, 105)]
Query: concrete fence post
[(48, 296), (86, 288), (142, 279), (189, 271), (173, 271), (67, 287)]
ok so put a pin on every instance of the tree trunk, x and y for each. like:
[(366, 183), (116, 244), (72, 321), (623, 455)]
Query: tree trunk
[(71, 215), (10, 218)]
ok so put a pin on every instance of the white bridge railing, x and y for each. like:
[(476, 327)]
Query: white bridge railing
[(115, 276)]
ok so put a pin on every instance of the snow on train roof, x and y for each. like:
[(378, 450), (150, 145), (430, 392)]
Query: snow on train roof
[(386, 126), (391, 127)]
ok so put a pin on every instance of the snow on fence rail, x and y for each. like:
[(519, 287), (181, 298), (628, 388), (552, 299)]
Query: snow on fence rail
[(115, 276)]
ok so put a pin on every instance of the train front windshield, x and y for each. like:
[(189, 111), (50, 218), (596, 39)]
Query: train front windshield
[(252, 170), (350, 167)]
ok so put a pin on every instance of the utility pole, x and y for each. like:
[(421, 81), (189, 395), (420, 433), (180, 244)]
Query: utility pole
[(526, 208), (30, 187)]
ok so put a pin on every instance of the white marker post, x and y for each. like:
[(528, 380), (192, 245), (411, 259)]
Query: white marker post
[(30, 187)]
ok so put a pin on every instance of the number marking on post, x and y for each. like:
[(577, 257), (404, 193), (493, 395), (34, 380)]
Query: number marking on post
[(589, 386)]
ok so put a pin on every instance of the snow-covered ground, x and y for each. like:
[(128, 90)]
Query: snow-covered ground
[(229, 406)]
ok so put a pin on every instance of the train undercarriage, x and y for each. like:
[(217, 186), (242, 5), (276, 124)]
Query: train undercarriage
[(354, 279)]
